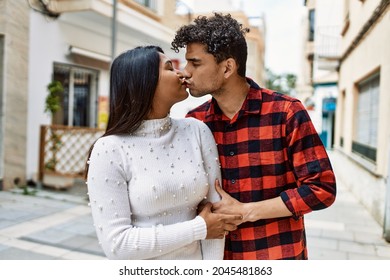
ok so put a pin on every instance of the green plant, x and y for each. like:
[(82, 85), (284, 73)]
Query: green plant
[(283, 83), (52, 105), (52, 102), (55, 140), (26, 191)]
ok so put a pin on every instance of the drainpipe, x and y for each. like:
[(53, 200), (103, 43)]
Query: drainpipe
[(113, 34), (386, 224)]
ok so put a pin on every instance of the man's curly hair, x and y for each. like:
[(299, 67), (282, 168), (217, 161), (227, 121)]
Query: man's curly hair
[(222, 36)]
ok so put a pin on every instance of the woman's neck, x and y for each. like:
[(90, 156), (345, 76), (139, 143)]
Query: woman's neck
[(157, 115)]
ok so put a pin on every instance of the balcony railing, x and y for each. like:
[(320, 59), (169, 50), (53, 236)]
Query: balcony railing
[(328, 42), (328, 47)]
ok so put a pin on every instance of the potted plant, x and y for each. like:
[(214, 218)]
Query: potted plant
[(52, 105)]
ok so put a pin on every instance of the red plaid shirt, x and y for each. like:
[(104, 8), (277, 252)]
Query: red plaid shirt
[(269, 149)]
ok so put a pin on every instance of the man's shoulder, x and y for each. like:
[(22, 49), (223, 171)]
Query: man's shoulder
[(269, 95)]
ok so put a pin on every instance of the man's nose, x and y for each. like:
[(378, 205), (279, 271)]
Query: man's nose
[(185, 73)]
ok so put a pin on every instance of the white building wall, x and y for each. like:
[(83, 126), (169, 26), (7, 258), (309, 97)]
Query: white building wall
[(49, 43)]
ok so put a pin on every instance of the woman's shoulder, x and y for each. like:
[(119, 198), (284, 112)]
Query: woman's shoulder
[(190, 122), (110, 141)]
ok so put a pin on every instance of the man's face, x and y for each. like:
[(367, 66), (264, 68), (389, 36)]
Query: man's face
[(203, 74)]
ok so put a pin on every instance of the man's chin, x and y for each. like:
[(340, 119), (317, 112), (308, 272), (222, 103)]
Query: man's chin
[(197, 94)]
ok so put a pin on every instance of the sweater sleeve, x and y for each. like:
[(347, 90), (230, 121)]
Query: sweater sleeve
[(111, 211), (212, 249)]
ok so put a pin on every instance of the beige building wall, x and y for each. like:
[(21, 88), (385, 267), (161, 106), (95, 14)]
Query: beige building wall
[(362, 58), (13, 92), (173, 20)]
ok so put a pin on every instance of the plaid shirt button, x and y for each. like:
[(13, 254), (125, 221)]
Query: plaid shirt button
[(233, 181), (231, 153)]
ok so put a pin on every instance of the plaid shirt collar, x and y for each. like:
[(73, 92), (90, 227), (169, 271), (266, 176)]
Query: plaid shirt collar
[(251, 105)]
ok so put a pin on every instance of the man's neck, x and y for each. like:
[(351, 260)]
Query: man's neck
[(231, 98)]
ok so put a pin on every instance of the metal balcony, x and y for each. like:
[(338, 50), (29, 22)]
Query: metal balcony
[(327, 48)]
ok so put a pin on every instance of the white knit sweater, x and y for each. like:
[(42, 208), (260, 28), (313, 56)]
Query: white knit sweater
[(144, 189)]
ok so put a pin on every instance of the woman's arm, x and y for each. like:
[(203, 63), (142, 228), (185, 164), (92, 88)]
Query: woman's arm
[(211, 248)]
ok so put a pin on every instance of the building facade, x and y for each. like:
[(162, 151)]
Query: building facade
[(318, 83), (73, 42), (362, 134)]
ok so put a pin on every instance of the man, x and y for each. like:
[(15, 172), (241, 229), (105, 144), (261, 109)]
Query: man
[(274, 166)]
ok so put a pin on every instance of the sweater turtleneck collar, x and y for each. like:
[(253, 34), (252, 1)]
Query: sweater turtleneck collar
[(154, 127)]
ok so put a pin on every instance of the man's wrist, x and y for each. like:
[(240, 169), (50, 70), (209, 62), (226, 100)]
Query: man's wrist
[(248, 213)]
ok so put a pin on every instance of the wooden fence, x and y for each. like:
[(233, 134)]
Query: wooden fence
[(64, 149)]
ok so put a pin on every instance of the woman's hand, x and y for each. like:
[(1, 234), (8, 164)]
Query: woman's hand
[(228, 204), (218, 225)]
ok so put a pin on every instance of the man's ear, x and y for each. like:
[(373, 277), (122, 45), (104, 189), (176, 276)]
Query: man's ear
[(230, 67)]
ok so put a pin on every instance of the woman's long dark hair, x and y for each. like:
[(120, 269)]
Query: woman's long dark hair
[(134, 76)]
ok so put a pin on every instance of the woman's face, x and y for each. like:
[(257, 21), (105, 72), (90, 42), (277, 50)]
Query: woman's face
[(170, 88)]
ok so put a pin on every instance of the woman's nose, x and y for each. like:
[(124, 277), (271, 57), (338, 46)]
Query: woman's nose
[(179, 73)]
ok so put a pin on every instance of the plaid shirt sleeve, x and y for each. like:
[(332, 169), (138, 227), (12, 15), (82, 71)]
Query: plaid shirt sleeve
[(310, 163)]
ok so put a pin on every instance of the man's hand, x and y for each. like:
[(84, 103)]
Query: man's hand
[(228, 204), (218, 225)]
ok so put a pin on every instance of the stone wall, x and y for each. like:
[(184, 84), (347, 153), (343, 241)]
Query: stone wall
[(14, 28)]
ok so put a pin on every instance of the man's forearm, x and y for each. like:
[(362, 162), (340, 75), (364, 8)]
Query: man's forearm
[(266, 209)]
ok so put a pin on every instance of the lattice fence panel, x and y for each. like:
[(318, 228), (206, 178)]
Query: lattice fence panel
[(64, 149)]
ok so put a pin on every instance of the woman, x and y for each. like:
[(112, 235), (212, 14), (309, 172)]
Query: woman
[(148, 172)]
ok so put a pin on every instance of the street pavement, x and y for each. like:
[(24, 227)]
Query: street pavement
[(57, 225)]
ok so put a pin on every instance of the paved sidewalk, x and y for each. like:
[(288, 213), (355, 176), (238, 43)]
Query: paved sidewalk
[(58, 225), (345, 231), (48, 225)]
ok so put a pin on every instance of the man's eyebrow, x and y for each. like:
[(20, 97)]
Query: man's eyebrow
[(194, 59)]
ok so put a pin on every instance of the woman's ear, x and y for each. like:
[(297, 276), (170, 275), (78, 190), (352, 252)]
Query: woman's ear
[(230, 67)]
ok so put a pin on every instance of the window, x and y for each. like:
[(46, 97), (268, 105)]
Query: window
[(151, 4), (342, 117), (311, 24), (366, 130), (78, 101)]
